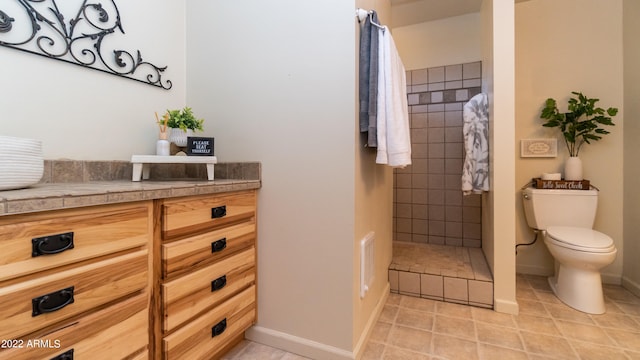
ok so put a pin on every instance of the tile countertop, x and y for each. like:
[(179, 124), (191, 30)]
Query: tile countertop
[(54, 196)]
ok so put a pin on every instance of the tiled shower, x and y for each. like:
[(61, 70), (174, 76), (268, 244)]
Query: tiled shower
[(437, 231), (429, 205)]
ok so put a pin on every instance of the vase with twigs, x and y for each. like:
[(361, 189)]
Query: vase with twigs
[(163, 147)]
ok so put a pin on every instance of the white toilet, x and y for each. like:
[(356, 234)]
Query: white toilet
[(566, 218)]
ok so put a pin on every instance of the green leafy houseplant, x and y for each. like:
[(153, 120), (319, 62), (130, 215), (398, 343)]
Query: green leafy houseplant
[(184, 119), (581, 124)]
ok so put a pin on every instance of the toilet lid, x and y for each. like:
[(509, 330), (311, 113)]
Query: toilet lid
[(580, 237)]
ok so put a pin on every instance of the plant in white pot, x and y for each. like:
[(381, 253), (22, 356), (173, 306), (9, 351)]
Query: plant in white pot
[(183, 123), (579, 125)]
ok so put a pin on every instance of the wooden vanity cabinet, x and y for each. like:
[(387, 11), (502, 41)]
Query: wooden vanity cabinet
[(159, 279), (205, 266), (76, 282)]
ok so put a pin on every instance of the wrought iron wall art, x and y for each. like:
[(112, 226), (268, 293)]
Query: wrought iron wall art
[(80, 41)]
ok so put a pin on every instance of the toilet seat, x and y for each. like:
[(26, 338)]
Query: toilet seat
[(581, 239)]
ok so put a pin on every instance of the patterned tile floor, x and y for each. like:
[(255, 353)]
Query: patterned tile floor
[(423, 329)]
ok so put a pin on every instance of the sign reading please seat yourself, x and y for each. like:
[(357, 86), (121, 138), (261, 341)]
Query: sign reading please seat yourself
[(199, 146)]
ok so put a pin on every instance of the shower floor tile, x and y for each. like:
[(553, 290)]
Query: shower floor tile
[(440, 272)]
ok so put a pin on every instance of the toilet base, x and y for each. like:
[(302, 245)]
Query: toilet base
[(580, 289)]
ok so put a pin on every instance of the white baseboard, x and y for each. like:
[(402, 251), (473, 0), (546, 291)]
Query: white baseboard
[(313, 349), (613, 279), (533, 270), (630, 285), (507, 307), (371, 323), (607, 278), (297, 345)]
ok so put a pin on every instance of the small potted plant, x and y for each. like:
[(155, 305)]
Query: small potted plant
[(580, 125), (183, 123)]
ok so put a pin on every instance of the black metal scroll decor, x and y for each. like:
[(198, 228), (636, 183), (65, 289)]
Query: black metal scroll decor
[(84, 40)]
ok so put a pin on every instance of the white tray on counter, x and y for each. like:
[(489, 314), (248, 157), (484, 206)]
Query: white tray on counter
[(142, 163)]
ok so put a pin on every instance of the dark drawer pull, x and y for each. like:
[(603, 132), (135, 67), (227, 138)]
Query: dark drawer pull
[(54, 244), (218, 245), (52, 302), (218, 283), (67, 355), (219, 328), (218, 212)]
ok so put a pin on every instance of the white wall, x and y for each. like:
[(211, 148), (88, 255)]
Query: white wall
[(556, 54), (631, 269), (85, 114), (277, 85), (498, 225), (373, 212), (453, 40)]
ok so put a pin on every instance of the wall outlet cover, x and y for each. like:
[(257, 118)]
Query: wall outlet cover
[(538, 147)]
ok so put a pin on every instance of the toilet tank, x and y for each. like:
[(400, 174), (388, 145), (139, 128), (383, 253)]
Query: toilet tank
[(553, 207)]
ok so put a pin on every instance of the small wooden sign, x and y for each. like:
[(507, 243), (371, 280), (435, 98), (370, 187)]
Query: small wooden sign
[(561, 184), (199, 146)]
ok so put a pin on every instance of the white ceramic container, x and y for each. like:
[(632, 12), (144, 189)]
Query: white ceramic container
[(21, 162)]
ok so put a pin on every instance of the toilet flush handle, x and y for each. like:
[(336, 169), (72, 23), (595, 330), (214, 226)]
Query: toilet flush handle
[(525, 196)]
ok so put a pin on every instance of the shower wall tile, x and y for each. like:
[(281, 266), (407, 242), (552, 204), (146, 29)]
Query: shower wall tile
[(419, 181), (403, 181), (420, 151), (419, 76), (424, 98), (436, 166), (436, 86), (453, 213), (472, 70), (416, 109), (453, 84), (435, 119), (454, 150), (429, 205), (435, 108), (419, 196), (436, 74), (453, 118), (419, 166), (437, 228), (437, 150), (462, 95), (436, 181), (453, 197), (420, 211), (419, 120), (453, 72), (449, 96), (454, 134), (403, 225), (420, 88), (453, 106), (419, 136)]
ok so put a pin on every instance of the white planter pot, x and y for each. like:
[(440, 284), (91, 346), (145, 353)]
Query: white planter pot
[(179, 137), (573, 168)]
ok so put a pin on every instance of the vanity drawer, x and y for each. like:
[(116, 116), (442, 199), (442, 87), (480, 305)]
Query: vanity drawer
[(204, 337), (37, 242), (193, 215), (82, 288), (117, 332), (186, 297), (182, 256)]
